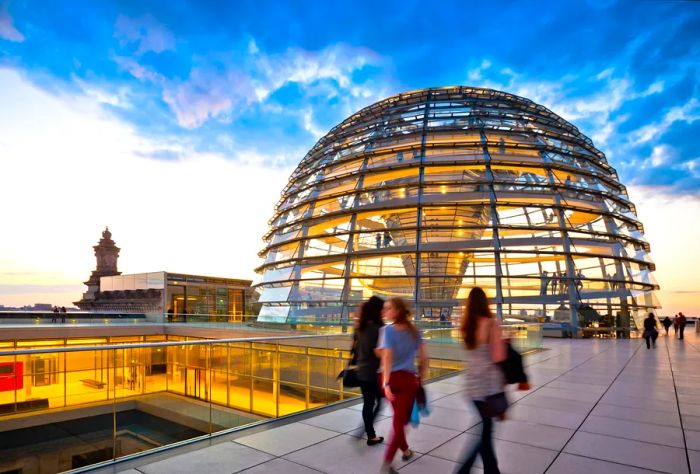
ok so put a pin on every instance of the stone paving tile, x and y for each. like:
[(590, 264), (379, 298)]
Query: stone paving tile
[(692, 438), (454, 402), (459, 420), (285, 439), (637, 414), (546, 416), (423, 438), (516, 458), (689, 409), (431, 464), (638, 402), (572, 464), (221, 458), (513, 458), (543, 401), (280, 465), (533, 434), (624, 451), (340, 421), (576, 386), (666, 435), (691, 422), (344, 455), (694, 457)]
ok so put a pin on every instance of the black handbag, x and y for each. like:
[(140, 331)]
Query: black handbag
[(349, 374), (495, 405)]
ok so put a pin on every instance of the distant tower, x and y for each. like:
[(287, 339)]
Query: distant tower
[(107, 254)]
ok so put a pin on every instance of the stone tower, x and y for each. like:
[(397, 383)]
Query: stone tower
[(107, 254)]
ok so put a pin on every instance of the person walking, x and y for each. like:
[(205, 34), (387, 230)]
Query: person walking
[(682, 321), (544, 283), (675, 326), (54, 317), (667, 323), (366, 337), (63, 314), (399, 344), (481, 333), (650, 333)]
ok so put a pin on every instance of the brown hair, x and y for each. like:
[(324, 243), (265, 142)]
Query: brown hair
[(371, 312), (403, 314), (477, 306)]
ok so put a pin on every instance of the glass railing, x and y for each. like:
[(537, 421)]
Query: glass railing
[(525, 335), (76, 406), (74, 317)]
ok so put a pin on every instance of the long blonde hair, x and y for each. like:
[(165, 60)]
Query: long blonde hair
[(403, 314)]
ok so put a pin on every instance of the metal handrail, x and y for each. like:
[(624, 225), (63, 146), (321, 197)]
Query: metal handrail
[(198, 342)]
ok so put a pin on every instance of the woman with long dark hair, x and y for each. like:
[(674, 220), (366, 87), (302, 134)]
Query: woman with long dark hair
[(482, 337), (366, 338), (400, 343)]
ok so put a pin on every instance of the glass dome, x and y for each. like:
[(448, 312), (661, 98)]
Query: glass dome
[(429, 193)]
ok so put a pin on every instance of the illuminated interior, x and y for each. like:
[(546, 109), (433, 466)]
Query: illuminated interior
[(427, 194)]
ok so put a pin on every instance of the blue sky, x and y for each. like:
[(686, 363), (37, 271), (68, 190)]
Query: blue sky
[(178, 123), (263, 81)]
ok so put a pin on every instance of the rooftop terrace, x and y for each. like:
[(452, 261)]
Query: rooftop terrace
[(601, 405)]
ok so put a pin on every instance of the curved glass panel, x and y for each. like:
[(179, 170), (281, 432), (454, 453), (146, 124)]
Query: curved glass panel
[(427, 194)]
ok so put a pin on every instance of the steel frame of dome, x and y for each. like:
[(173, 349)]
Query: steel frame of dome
[(431, 192)]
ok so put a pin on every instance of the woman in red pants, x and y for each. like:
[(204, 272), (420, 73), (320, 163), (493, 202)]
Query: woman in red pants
[(399, 343)]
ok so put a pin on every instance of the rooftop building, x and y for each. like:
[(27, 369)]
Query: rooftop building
[(159, 292)]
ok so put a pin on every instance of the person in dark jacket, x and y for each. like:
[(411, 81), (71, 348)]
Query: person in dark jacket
[(650, 332), (667, 323), (365, 345), (682, 321)]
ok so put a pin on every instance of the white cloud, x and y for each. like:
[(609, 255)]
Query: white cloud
[(654, 88), (604, 74), (8, 31), (208, 94), (140, 72), (661, 155), (146, 32), (223, 91), (69, 170), (336, 62), (253, 47), (688, 112), (310, 126)]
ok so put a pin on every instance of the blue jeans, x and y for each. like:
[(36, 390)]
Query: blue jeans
[(484, 447)]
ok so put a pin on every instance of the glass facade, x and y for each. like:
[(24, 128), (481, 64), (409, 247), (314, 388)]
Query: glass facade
[(427, 194), (181, 293)]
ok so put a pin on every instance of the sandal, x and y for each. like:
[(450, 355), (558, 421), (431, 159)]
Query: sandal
[(375, 440), (408, 454)]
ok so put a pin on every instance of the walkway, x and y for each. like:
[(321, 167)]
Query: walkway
[(598, 406)]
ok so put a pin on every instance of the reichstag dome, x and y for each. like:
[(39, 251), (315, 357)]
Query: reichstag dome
[(429, 193)]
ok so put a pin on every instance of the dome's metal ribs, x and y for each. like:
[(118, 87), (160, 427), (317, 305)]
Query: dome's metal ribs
[(430, 192)]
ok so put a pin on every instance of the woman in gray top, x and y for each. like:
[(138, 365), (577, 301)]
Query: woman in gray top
[(482, 338), (366, 336)]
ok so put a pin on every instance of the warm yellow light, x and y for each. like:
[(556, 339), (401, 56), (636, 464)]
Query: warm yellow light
[(460, 222), (443, 189)]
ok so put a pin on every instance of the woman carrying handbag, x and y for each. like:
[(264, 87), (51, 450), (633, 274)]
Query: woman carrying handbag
[(367, 360), (485, 380)]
